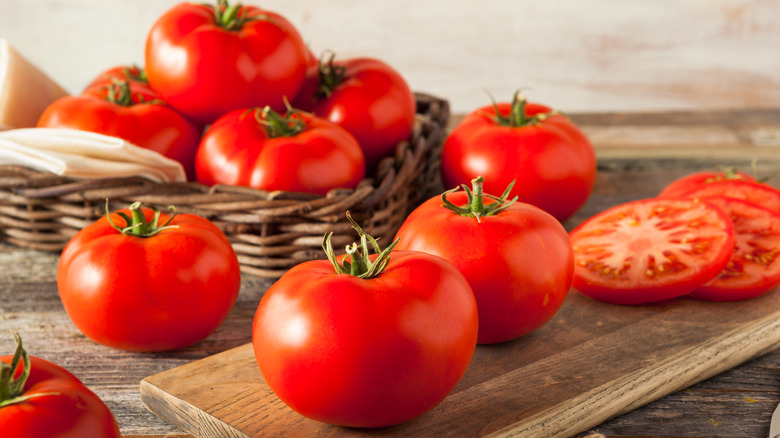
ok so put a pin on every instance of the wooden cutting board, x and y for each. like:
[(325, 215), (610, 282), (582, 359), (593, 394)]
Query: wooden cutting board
[(591, 362)]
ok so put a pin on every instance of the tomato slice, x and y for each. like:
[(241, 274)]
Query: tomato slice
[(757, 193), (754, 267), (650, 250)]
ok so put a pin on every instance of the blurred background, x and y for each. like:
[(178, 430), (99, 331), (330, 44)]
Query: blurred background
[(578, 56)]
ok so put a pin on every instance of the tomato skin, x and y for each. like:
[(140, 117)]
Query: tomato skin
[(696, 179), (366, 353), (205, 70), (754, 268), (75, 412), (552, 161), (619, 252), (757, 193), (237, 150), (134, 75), (150, 125), (156, 293), (519, 262), (374, 103)]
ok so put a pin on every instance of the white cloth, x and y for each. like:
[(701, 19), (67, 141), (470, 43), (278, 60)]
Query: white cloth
[(84, 154)]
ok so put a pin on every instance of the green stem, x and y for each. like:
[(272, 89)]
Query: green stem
[(517, 117), (11, 389), (476, 207), (360, 264), (233, 17), (119, 92), (329, 74), (289, 125), (136, 224), (135, 73)]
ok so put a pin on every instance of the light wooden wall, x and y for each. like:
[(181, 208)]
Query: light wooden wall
[(576, 55)]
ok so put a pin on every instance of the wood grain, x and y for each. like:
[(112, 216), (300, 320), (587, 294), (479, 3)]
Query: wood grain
[(589, 55), (592, 362)]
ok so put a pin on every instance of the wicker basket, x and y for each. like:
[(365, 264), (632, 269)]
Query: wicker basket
[(270, 231)]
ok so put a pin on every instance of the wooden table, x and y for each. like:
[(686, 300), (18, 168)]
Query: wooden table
[(638, 154)]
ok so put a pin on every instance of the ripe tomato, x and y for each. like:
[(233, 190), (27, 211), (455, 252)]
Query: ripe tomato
[(134, 75), (757, 193), (650, 250), (146, 286), (551, 160), (696, 179), (377, 341), (517, 259), (39, 399), (368, 98), (129, 112), (298, 152), (207, 60), (754, 267)]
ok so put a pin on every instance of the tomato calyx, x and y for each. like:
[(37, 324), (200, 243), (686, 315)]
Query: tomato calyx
[(517, 117), (289, 125), (120, 93), (12, 388), (231, 17), (329, 76), (476, 207), (360, 264), (135, 73), (136, 224)]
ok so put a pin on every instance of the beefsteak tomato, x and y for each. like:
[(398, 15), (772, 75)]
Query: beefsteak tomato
[(552, 161), (158, 283), (207, 60), (754, 267), (39, 399), (262, 149), (132, 113), (516, 257), (377, 341), (368, 98), (650, 250)]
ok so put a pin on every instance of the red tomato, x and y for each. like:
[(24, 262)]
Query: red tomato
[(39, 399), (696, 179), (148, 287), (370, 347), (757, 193), (134, 75), (369, 99), (131, 113), (208, 60), (551, 160), (650, 250), (754, 268), (261, 149), (518, 261)]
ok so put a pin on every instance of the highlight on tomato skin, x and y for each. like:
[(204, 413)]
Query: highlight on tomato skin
[(650, 250), (754, 267)]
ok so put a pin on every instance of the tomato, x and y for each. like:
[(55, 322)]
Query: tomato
[(147, 286), (208, 60), (131, 113), (377, 341), (368, 98), (757, 193), (552, 161), (754, 267), (650, 250), (516, 257), (39, 399), (133, 74), (696, 179), (296, 152)]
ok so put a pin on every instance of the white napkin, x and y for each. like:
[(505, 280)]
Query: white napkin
[(84, 154)]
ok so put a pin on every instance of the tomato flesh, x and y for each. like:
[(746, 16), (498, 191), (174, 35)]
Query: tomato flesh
[(754, 267), (650, 250)]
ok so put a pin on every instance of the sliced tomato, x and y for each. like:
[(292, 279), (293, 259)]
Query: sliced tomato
[(754, 267), (650, 250), (755, 192)]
